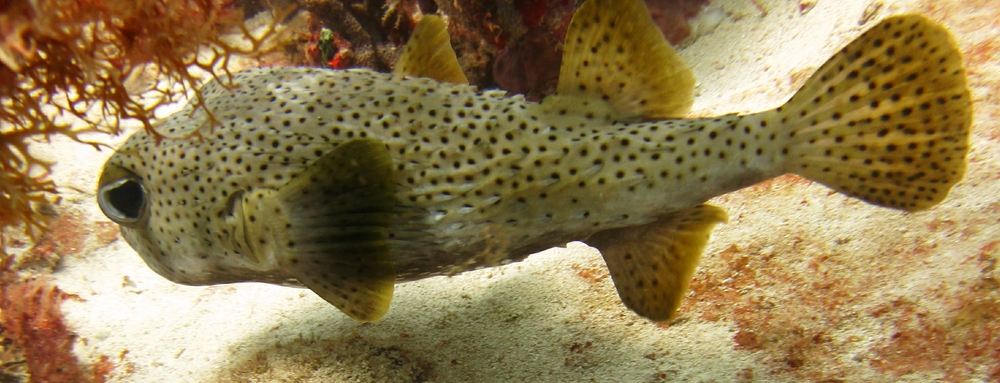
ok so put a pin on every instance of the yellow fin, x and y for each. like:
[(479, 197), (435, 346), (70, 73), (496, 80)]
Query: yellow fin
[(886, 119), (615, 52), (328, 227), (652, 265), (428, 53)]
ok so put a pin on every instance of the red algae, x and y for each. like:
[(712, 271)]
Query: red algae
[(796, 308), (590, 273), (102, 369), (72, 58), (31, 320), (67, 236), (801, 302), (106, 232), (33, 325), (70, 234), (963, 345)]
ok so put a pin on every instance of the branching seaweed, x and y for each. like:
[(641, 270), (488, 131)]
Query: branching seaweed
[(65, 59)]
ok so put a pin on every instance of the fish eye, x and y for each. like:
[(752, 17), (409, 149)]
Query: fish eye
[(122, 200)]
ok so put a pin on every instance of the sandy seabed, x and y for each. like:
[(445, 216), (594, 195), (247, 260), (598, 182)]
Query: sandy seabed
[(802, 284)]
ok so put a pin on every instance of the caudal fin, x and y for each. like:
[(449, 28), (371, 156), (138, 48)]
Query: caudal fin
[(885, 120)]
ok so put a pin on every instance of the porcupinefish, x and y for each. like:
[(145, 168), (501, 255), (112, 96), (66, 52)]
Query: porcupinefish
[(349, 181)]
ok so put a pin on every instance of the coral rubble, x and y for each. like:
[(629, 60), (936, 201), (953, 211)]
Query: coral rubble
[(514, 45)]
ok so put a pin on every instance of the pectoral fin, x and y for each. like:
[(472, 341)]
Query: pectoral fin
[(652, 265), (328, 227), (428, 53)]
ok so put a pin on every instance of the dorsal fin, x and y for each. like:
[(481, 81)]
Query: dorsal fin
[(615, 52), (429, 54)]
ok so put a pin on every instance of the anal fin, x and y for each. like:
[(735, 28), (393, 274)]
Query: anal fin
[(328, 227), (652, 265), (428, 53)]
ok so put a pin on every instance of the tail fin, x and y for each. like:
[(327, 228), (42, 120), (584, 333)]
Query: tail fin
[(887, 119)]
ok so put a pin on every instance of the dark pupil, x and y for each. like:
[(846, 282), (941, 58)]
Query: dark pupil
[(128, 199)]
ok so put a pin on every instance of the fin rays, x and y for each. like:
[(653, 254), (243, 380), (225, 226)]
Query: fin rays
[(328, 227), (886, 119), (429, 54), (652, 265), (614, 51)]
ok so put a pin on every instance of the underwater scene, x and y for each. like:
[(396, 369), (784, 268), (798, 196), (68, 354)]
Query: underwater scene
[(497, 191)]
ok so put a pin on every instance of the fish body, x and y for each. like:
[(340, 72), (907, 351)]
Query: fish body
[(350, 181), (479, 172)]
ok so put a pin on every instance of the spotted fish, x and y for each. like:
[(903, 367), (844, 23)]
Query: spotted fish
[(348, 182)]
